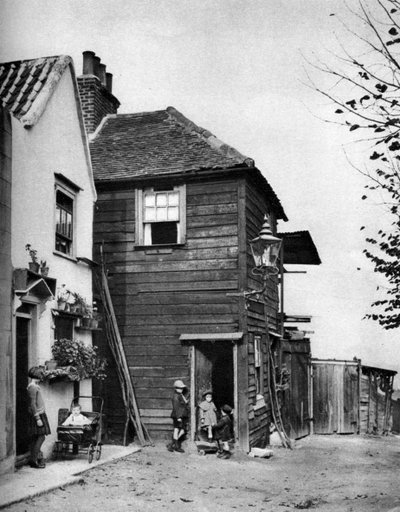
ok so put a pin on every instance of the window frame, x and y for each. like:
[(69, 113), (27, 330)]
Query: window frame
[(72, 194), (140, 216)]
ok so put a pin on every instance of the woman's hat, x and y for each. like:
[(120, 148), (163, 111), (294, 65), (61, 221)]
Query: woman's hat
[(36, 372), (227, 408), (207, 392), (179, 384)]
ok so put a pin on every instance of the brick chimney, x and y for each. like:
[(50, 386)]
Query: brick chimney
[(95, 90)]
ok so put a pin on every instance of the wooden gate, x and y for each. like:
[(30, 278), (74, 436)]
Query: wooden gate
[(335, 402), (295, 358)]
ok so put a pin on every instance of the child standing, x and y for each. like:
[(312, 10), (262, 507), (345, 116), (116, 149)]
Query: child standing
[(208, 416), (76, 417), (179, 415), (223, 431), (38, 422)]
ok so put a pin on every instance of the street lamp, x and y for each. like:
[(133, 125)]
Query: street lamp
[(265, 250)]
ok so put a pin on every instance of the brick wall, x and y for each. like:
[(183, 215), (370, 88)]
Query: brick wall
[(96, 101)]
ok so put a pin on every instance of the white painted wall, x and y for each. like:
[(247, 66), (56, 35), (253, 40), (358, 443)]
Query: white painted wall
[(53, 145)]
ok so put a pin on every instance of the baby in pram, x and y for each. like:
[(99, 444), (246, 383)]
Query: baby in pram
[(76, 418)]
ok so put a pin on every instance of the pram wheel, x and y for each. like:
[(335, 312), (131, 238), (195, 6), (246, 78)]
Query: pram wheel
[(98, 451), (90, 453), (202, 452)]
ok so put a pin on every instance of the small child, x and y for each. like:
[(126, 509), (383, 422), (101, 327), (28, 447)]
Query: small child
[(223, 431), (38, 423), (208, 416), (76, 418), (179, 415)]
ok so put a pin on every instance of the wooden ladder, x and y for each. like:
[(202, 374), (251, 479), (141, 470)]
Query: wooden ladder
[(117, 350)]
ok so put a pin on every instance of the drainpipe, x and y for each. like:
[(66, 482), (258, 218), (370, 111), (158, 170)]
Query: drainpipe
[(7, 389)]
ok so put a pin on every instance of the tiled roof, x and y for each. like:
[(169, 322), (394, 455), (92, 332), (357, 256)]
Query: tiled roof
[(27, 85), (162, 143), (157, 143)]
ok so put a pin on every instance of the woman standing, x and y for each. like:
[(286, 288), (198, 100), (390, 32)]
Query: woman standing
[(38, 423)]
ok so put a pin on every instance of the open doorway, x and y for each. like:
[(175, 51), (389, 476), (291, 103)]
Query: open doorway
[(23, 335), (214, 369)]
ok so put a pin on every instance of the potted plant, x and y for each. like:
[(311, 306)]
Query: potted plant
[(94, 321), (63, 297), (34, 264), (80, 305), (44, 269), (51, 365)]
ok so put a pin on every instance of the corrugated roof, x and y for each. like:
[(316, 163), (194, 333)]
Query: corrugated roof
[(162, 143), (27, 85)]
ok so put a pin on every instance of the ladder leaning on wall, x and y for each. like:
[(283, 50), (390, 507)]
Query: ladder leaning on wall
[(117, 350)]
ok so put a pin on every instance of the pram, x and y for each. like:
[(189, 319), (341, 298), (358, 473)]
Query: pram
[(81, 438)]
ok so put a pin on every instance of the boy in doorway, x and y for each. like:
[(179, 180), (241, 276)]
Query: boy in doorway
[(223, 431), (208, 416), (179, 415)]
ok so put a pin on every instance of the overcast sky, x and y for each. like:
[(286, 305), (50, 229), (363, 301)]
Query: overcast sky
[(235, 67)]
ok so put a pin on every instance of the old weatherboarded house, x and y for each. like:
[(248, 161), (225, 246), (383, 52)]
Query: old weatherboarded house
[(46, 200), (176, 209)]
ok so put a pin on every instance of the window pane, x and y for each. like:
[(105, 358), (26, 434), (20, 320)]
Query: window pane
[(161, 214), (150, 200), (161, 200), (164, 233), (69, 225), (173, 213), (149, 214), (64, 327), (173, 199), (64, 223)]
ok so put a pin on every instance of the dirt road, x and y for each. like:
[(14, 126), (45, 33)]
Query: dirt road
[(326, 473)]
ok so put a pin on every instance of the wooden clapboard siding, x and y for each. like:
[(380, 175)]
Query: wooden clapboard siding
[(260, 314), (160, 293)]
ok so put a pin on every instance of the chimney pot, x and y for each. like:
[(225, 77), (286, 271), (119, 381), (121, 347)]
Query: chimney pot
[(88, 64), (102, 74), (109, 78), (96, 66)]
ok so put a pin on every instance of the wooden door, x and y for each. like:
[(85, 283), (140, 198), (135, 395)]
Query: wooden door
[(335, 397), (22, 402), (295, 402)]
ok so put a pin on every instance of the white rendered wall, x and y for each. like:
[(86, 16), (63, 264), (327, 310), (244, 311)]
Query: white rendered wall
[(53, 145)]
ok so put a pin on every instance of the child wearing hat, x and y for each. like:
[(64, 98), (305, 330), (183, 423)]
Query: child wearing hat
[(208, 413), (38, 423), (179, 415), (223, 431)]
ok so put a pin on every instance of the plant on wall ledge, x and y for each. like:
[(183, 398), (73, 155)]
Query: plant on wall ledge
[(76, 361), (34, 265)]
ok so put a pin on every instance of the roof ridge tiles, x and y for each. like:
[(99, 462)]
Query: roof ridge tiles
[(26, 86)]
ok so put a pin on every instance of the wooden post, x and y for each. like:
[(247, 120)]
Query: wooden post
[(193, 392), (369, 401)]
